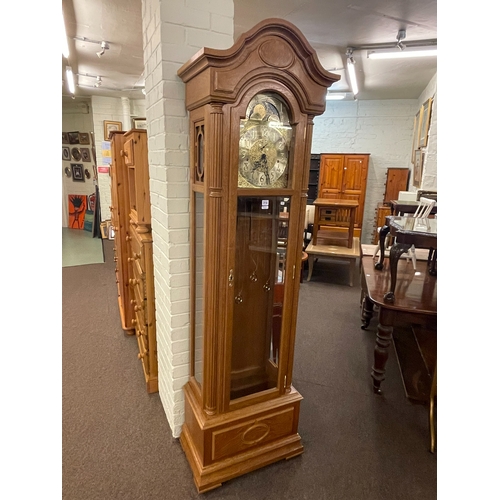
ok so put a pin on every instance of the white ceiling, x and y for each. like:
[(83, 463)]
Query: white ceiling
[(329, 25)]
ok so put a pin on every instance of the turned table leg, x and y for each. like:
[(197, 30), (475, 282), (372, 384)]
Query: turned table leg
[(382, 343)]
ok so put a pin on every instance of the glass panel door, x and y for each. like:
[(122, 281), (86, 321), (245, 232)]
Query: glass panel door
[(259, 280)]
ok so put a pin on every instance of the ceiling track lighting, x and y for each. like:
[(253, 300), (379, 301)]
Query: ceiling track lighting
[(399, 50), (351, 71), (70, 80), (104, 45)]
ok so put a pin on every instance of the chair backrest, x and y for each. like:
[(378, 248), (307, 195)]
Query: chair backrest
[(425, 206)]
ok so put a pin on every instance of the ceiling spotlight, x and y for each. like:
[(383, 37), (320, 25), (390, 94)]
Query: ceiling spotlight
[(98, 82), (104, 47)]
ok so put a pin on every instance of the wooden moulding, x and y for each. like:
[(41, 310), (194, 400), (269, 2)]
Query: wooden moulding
[(225, 446), (272, 47)]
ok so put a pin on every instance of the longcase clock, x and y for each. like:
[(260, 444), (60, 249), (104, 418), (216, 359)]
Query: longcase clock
[(251, 110)]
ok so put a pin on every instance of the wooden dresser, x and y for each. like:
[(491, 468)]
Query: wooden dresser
[(136, 245), (120, 220)]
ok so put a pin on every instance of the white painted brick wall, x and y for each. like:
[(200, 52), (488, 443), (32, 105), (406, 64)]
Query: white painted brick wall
[(173, 31), (383, 128)]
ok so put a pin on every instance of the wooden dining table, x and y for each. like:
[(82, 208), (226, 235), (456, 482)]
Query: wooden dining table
[(416, 305), (407, 231)]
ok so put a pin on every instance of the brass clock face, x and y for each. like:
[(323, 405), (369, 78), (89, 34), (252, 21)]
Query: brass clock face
[(265, 136)]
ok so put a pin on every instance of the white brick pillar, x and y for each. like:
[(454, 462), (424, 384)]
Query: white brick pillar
[(173, 31)]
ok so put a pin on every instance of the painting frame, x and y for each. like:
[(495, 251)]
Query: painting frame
[(416, 137), (77, 202), (66, 155), (111, 126), (74, 137), (85, 152), (104, 230), (65, 138), (417, 171), (77, 172), (84, 138), (140, 123), (425, 121)]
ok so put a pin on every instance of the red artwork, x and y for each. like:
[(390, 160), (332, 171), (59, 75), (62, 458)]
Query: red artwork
[(77, 204)]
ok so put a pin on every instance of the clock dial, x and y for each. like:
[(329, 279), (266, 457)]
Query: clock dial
[(265, 136)]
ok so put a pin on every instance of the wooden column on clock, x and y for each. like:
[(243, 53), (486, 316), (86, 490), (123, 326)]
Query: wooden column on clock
[(131, 215), (343, 177), (251, 110)]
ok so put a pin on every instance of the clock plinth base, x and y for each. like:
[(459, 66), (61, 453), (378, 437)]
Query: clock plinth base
[(226, 446)]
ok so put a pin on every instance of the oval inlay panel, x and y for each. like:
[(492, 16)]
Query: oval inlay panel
[(276, 53), (255, 433)]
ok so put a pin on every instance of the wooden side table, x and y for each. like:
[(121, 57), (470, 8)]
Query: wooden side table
[(335, 213)]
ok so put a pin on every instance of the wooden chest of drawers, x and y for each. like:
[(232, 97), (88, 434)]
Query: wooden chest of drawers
[(131, 217), (143, 304)]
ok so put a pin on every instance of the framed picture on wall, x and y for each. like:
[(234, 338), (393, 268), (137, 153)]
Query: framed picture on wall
[(417, 170), (65, 153), (425, 121), (416, 132), (74, 137), (85, 154), (65, 138), (84, 138), (110, 126), (76, 155), (140, 123), (77, 171)]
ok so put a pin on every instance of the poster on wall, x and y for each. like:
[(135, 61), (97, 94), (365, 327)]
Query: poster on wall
[(106, 153), (77, 204)]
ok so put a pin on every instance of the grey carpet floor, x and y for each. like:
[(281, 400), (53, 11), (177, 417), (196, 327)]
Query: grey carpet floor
[(117, 444)]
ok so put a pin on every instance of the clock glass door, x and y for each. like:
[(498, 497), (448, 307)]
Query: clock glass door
[(259, 280), (265, 138)]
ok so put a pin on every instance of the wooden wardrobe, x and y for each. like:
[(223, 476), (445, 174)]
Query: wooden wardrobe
[(131, 218), (343, 177)]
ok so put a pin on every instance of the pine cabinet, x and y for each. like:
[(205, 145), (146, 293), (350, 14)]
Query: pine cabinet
[(343, 176), (120, 220), (131, 218), (251, 110), (396, 181)]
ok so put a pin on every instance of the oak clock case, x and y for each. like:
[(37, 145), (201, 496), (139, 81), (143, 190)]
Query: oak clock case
[(250, 109)]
